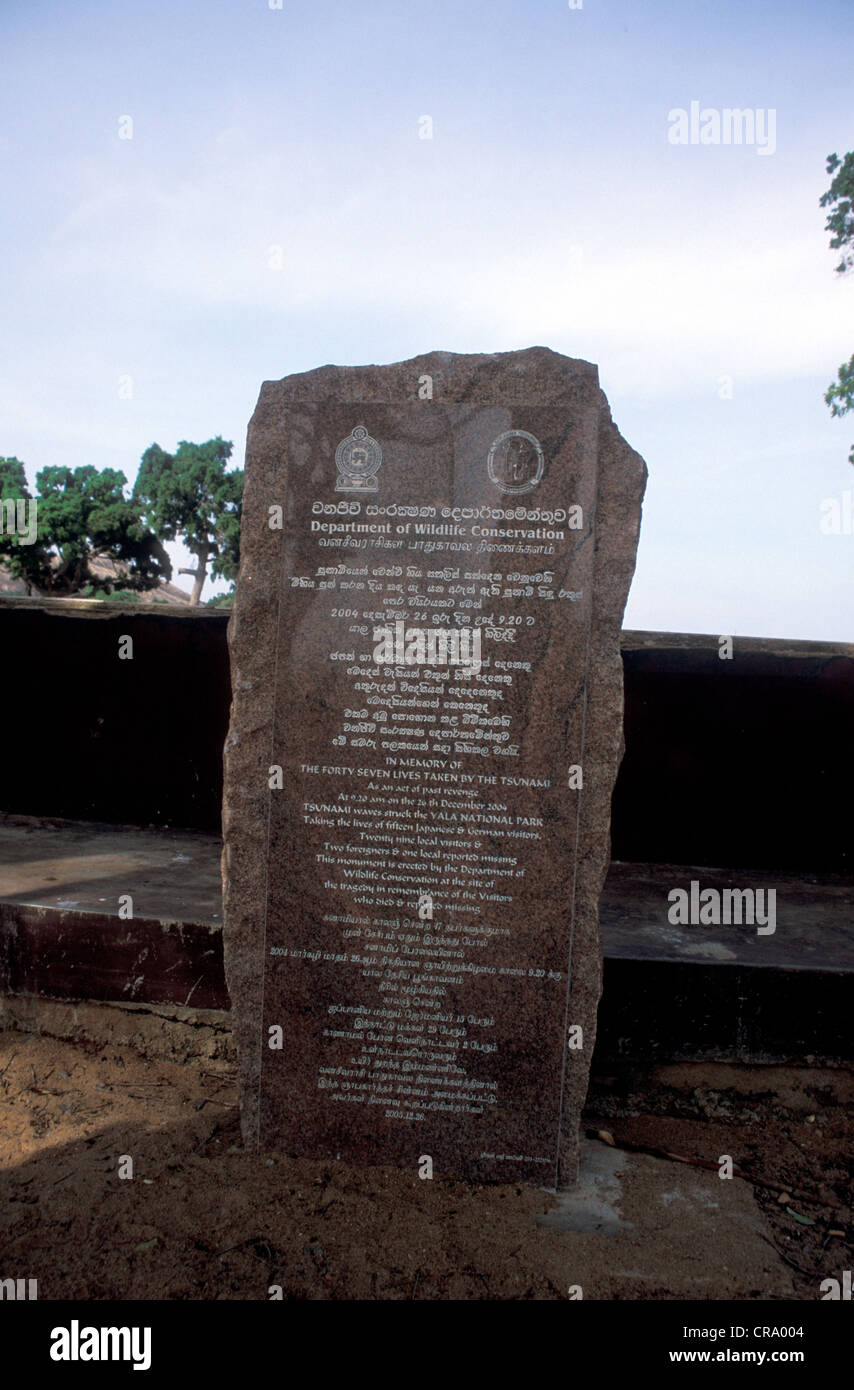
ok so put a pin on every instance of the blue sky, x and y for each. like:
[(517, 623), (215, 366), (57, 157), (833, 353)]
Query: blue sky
[(549, 207)]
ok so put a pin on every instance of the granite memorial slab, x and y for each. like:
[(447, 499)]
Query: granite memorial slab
[(426, 728)]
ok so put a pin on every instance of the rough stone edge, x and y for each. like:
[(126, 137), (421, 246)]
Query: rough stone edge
[(247, 755), (621, 485), (397, 382)]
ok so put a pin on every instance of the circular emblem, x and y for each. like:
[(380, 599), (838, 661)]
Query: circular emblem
[(357, 459), (515, 462)]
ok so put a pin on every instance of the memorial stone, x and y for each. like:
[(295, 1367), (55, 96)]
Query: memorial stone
[(425, 732)]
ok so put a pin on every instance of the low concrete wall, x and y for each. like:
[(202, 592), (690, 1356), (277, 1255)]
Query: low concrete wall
[(93, 737), (743, 763)]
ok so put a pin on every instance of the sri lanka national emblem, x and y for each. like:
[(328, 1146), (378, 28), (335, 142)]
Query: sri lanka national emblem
[(357, 459)]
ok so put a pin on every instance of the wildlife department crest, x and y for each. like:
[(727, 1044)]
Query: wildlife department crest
[(357, 459), (515, 462)]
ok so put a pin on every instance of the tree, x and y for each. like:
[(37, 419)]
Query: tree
[(22, 556), (840, 223), (83, 515), (221, 600), (189, 496)]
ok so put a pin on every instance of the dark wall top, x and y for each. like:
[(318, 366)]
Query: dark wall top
[(741, 763), (93, 737)]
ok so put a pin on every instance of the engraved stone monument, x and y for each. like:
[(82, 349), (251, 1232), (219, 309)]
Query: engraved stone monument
[(425, 732)]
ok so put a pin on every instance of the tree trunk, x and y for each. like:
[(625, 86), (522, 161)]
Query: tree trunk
[(199, 575)]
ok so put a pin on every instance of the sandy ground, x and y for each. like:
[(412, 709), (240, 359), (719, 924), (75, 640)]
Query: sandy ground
[(202, 1219)]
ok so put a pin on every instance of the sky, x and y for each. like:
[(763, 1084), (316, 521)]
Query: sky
[(200, 196)]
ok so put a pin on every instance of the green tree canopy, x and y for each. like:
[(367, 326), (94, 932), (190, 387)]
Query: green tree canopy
[(83, 515), (189, 496), (13, 479), (839, 198), (23, 559)]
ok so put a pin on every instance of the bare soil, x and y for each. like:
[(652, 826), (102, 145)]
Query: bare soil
[(202, 1219)]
